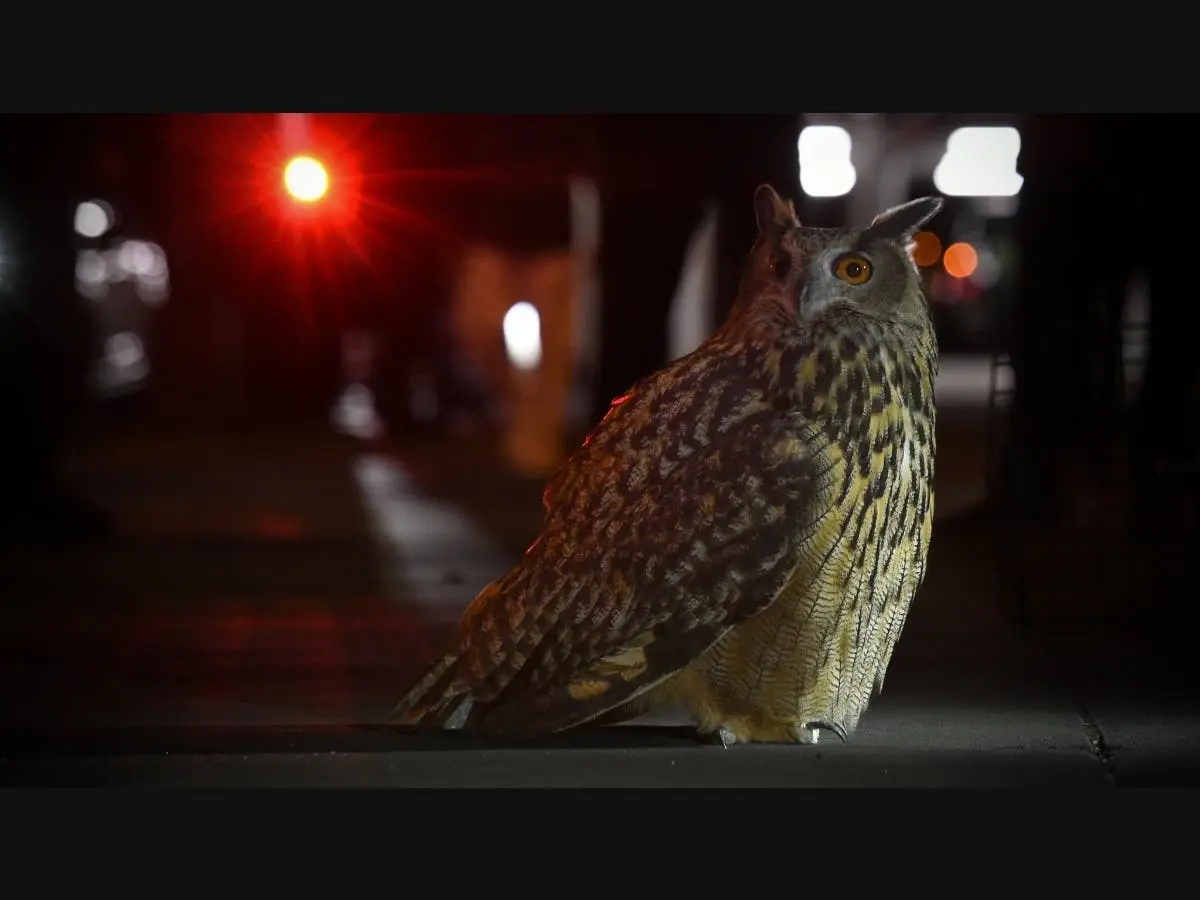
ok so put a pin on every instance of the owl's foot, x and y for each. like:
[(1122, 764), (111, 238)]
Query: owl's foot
[(723, 735), (774, 731), (810, 732)]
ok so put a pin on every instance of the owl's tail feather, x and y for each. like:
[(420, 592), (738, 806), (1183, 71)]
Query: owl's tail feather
[(435, 701)]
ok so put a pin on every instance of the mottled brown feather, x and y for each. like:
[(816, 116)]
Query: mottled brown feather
[(652, 549)]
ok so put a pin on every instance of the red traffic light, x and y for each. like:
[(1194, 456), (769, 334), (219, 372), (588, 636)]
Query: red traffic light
[(305, 179)]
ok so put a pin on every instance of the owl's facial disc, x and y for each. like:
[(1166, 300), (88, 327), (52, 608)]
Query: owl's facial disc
[(833, 275)]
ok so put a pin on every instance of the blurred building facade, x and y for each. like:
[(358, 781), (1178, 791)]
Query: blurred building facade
[(457, 220)]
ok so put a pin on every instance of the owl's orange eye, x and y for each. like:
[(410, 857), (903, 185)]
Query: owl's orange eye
[(852, 269)]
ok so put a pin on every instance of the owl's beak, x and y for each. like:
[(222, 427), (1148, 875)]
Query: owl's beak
[(810, 306), (832, 726)]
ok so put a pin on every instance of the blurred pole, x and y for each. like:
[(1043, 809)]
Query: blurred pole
[(586, 215), (1164, 442), (1075, 176), (868, 137), (230, 333), (645, 237), (692, 317), (1042, 341)]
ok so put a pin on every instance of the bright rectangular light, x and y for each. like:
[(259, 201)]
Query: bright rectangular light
[(980, 162), (825, 167)]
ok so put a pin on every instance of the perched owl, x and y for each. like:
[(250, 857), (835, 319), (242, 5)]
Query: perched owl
[(743, 534)]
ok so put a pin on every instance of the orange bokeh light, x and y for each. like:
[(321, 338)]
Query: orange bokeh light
[(960, 260), (927, 249)]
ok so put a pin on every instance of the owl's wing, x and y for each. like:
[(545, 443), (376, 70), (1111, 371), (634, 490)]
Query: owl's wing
[(685, 514)]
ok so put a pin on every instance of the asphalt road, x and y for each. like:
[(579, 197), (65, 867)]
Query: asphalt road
[(269, 599)]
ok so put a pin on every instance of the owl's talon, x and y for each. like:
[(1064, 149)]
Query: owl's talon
[(815, 728), (728, 738)]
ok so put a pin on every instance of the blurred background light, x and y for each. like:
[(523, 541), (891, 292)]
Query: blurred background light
[(988, 268), (124, 350), (93, 218), (927, 248), (960, 260), (306, 179), (91, 274), (980, 162), (523, 336), (825, 166)]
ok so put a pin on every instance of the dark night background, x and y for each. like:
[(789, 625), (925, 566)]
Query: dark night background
[(200, 563)]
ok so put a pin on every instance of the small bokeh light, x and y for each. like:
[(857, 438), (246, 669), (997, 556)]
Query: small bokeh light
[(93, 218), (960, 260), (927, 249), (523, 335)]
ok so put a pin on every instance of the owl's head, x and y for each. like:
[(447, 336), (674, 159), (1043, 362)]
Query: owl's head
[(810, 270)]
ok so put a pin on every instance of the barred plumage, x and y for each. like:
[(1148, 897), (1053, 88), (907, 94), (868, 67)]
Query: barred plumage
[(744, 532)]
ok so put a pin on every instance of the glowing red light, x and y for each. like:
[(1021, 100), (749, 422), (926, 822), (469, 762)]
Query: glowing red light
[(306, 179)]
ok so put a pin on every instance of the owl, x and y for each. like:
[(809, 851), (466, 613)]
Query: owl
[(742, 535)]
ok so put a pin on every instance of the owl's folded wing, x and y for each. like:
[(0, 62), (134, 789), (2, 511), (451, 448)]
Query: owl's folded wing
[(687, 515)]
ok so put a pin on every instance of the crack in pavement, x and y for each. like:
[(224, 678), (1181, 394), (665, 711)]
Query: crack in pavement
[(1097, 744)]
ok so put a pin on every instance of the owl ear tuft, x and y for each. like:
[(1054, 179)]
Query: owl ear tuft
[(900, 223), (774, 214)]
